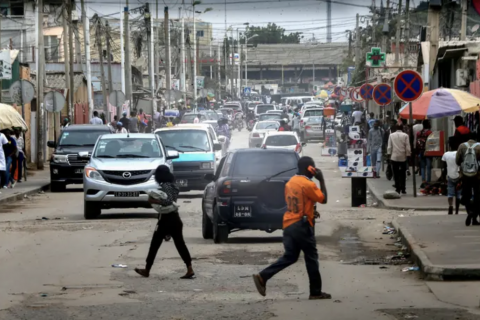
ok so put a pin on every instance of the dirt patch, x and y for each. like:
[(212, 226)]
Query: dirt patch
[(244, 257), (430, 313)]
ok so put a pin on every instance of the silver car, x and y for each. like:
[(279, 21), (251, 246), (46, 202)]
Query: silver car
[(311, 124), (121, 171), (259, 131)]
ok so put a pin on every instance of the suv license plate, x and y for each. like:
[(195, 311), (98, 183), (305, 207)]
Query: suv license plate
[(242, 212), (127, 194), (182, 182), (79, 171)]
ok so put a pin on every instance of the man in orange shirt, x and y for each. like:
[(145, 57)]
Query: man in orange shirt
[(301, 195)]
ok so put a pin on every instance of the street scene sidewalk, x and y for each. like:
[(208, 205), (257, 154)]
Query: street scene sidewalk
[(378, 187), (442, 246), (37, 181)]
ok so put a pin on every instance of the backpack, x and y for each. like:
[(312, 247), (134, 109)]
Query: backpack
[(422, 141), (470, 163)]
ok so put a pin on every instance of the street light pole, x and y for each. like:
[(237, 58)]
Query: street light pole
[(194, 61)]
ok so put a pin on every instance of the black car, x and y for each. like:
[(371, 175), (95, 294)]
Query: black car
[(247, 192), (66, 166)]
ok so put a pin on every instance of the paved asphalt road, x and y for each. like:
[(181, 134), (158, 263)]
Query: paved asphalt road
[(60, 268)]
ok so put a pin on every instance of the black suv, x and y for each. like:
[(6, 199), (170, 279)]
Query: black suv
[(247, 192), (66, 165)]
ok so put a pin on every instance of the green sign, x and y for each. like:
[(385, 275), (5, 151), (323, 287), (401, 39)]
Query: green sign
[(376, 58)]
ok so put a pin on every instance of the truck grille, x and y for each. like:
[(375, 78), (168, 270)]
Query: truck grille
[(73, 159), (185, 167), (127, 182), (133, 173)]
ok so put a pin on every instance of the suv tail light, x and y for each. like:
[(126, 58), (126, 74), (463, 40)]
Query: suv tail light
[(298, 148), (256, 135), (226, 187), (308, 127)]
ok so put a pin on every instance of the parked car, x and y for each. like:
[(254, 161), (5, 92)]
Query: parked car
[(197, 154), (66, 167), (311, 124), (247, 192), (287, 140), (259, 130), (121, 170)]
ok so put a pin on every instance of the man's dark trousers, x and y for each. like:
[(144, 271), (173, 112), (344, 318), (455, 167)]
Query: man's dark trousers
[(400, 175), (297, 237)]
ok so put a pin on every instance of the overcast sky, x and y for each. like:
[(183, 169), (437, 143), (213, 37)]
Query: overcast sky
[(307, 16)]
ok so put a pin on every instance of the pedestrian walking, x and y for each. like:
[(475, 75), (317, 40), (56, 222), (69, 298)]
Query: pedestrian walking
[(169, 222), (10, 149), (425, 162), (3, 164), (120, 128), (96, 119), (20, 153), (462, 133), (467, 158), (374, 146), (372, 120), (399, 149), (124, 120), (301, 195), (65, 123), (453, 177), (133, 123)]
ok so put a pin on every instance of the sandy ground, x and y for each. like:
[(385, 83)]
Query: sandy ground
[(61, 267)]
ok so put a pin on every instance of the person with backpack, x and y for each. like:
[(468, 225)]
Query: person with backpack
[(425, 162), (452, 176), (468, 157)]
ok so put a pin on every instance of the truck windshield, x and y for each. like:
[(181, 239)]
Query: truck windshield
[(128, 148), (192, 140)]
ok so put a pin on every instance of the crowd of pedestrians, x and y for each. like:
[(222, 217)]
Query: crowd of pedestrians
[(12, 157)]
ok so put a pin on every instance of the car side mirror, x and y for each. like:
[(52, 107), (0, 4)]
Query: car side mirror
[(209, 177), (83, 155), (217, 147), (222, 139), (304, 144), (51, 144), (172, 154)]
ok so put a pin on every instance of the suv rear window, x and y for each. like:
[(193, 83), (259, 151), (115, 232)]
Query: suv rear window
[(264, 108), (281, 140), (265, 164), (79, 138), (313, 113)]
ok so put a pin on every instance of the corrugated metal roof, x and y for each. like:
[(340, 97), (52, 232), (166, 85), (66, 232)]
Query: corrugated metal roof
[(56, 80)]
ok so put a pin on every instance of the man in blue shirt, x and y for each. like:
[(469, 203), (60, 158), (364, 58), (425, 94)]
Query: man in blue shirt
[(10, 150)]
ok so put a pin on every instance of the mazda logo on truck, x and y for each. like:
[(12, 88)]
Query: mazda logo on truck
[(127, 175)]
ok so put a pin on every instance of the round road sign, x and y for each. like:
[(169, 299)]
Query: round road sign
[(355, 95), (408, 85), (382, 94), (337, 91), (366, 91)]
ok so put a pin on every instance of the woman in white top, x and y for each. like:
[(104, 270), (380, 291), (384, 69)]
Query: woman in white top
[(120, 128)]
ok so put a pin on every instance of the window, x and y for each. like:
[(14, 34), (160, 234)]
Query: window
[(12, 8), (281, 140), (128, 148), (200, 33), (51, 48), (226, 165), (79, 138), (313, 113), (264, 108), (267, 125), (264, 164), (191, 140)]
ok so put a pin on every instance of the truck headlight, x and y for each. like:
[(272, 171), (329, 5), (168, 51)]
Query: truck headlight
[(60, 158), (208, 165), (93, 174)]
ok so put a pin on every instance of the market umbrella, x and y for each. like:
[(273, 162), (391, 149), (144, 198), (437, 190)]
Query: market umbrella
[(440, 103), (9, 118)]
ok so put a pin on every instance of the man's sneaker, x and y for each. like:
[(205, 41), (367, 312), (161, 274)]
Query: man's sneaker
[(12, 185)]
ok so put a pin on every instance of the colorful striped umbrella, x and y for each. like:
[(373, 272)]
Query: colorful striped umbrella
[(440, 103)]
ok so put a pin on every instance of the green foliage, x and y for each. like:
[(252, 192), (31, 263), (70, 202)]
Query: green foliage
[(272, 34)]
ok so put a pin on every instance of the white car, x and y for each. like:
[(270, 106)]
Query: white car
[(283, 140), (311, 105), (260, 130)]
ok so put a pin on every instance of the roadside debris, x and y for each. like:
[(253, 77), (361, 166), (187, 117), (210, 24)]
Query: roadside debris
[(389, 230), (407, 269), (383, 267), (337, 301), (119, 266), (391, 194), (43, 295)]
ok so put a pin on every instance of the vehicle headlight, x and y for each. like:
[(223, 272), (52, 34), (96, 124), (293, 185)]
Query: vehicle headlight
[(59, 158), (208, 165), (93, 174)]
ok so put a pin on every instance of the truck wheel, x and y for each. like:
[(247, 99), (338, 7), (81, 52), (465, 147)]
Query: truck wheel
[(57, 186), (207, 226), (91, 210), (220, 233)]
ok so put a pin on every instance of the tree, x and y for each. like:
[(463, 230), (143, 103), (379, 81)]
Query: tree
[(272, 34)]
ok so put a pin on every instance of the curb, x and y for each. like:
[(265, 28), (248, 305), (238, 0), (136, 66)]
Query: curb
[(381, 204), (433, 272), (21, 195)]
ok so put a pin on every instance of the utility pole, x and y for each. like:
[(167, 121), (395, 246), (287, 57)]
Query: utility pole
[(374, 24), (157, 48), (168, 66), (194, 77), (225, 44), (386, 28), (86, 38), (71, 92), (398, 33), (349, 44), (109, 58), (1, 49), (40, 79), (98, 39), (463, 30), (406, 48), (211, 66), (66, 57), (219, 76), (128, 67), (122, 55), (182, 54), (151, 78), (329, 21), (357, 44), (432, 36), (78, 49)]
